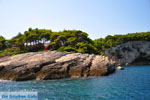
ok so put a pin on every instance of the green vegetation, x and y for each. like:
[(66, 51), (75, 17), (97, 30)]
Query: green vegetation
[(34, 39), (2, 43), (126, 48), (111, 41), (67, 41), (72, 40), (112, 52)]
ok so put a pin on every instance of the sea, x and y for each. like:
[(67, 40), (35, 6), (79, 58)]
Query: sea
[(132, 83)]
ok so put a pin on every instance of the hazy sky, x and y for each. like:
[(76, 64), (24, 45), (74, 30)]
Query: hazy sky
[(96, 17)]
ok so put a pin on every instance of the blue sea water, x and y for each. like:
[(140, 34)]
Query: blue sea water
[(133, 83)]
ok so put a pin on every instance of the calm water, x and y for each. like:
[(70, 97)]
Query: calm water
[(133, 83)]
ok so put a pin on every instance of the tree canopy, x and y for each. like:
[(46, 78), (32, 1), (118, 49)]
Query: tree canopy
[(2, 43), (66, 41), (34, 39), (111, 41), (72, 40)]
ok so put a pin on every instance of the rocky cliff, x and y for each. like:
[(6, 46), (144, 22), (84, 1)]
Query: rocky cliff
[(53, 65), (133, 53)]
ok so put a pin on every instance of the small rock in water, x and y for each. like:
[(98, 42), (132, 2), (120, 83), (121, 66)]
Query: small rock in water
[(120, 68), (126, 64)]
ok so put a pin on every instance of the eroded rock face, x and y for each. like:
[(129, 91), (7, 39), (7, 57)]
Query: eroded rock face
[(132, 53), (53, 65)]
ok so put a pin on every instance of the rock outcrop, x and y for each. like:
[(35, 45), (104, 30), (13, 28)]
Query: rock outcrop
[(130, 53), (53, 65)]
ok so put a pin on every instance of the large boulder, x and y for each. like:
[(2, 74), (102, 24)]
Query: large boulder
[(53, 65)]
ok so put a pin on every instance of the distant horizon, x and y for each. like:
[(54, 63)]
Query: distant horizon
[(98, 18)]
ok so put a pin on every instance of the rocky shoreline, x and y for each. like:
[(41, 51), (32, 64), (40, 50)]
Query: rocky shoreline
[(53, 65)]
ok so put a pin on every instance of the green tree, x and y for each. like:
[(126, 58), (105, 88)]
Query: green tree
[(2, 43)]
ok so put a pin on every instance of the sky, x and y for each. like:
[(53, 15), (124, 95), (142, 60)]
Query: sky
[(98, 18)]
